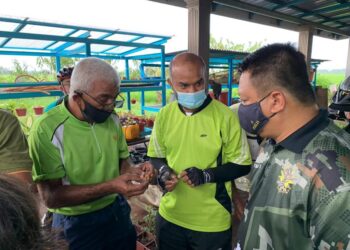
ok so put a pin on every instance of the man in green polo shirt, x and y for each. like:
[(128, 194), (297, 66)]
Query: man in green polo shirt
[(198, 148), (81, 162), (14, 156), (300, 182)]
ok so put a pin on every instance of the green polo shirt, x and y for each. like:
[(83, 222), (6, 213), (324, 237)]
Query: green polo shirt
[(300, 195), (63, 147), (199, 140), (14, 156)]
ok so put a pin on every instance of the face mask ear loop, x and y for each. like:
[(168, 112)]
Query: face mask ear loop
[(260, 106), (272, 115)]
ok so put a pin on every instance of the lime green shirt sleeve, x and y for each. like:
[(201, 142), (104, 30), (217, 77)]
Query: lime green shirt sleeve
[(47, 162), (14, 153), (235, 144), (156, 146)]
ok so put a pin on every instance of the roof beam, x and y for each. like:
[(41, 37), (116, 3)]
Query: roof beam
[(74, 39), (302, 10), (69, 33), (17, 29), (139, 49), (68, 44), (113, 47), (264, 12), (326, 9), (65, 26), (291, 3), (336, 19)]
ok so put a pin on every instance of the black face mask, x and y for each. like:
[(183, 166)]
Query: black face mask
[(93, 114)]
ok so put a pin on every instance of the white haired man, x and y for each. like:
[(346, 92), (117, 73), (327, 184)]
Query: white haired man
[(81, 162)]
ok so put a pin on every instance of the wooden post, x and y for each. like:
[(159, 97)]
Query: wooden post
[(322, 97), (305, 43), (199, 28), (347, 71)]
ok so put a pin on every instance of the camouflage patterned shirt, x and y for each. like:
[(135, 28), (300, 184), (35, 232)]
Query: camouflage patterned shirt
[(300, 193), (347, 128)]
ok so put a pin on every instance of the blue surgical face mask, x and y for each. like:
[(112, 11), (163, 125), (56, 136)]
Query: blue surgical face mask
[(191, 100), (252, 118)]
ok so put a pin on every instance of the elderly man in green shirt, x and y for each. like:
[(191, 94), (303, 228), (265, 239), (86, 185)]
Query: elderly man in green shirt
[(81, 162)]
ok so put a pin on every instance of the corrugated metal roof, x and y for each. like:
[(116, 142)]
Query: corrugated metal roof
[(330, 18), (22, 36)]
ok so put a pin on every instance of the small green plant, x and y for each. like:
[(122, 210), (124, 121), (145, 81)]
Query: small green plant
[(149, 220), (10, 106)]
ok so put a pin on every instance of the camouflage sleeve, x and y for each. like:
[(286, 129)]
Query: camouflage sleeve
[(329, 215)]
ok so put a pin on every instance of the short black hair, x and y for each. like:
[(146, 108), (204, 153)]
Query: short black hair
[(280, 65)]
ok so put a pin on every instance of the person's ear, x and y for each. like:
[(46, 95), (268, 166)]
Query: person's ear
[(77, 98), (169, 82), (277, 101)]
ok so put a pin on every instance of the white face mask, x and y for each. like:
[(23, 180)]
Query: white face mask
[(191, 100)]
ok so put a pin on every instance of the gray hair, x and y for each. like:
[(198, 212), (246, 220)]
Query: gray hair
[(90, 70)]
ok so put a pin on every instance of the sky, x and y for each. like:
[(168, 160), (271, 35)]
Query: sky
[(155, 18)]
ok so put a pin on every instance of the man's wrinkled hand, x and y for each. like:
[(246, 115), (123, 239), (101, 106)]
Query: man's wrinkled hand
[(167, 179), (147, 171), (129, 184), (171, 183)]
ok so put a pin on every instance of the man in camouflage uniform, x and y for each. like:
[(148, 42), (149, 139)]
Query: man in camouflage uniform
[(299, 198)]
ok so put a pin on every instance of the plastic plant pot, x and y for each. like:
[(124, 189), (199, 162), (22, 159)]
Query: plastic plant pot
[(21, 111), (39, 110)]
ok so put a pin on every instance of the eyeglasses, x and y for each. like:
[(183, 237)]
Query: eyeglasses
[(117, 103)]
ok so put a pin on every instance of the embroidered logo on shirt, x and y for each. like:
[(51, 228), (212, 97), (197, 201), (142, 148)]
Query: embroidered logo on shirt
[(262, 157), (288, 177)]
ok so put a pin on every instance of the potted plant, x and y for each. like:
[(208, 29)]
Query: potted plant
[(146, 239), (38, 110), (21, 110)]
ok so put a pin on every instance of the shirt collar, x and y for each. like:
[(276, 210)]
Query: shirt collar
[(297, 141), (205, 104), (72, 118)]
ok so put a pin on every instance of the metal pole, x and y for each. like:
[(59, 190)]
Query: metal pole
[(127, 76), (163, 76), (230, 71)]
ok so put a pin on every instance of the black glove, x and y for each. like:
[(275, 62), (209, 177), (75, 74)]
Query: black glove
[(164, 174), (198, 176)]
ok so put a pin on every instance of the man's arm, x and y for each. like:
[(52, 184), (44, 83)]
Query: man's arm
[(56, 195), (227, 172), (14, 155), (329, 217), (125, 165), (164, 176)]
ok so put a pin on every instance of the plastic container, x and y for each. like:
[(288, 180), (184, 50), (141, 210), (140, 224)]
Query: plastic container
[(39, 110)]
